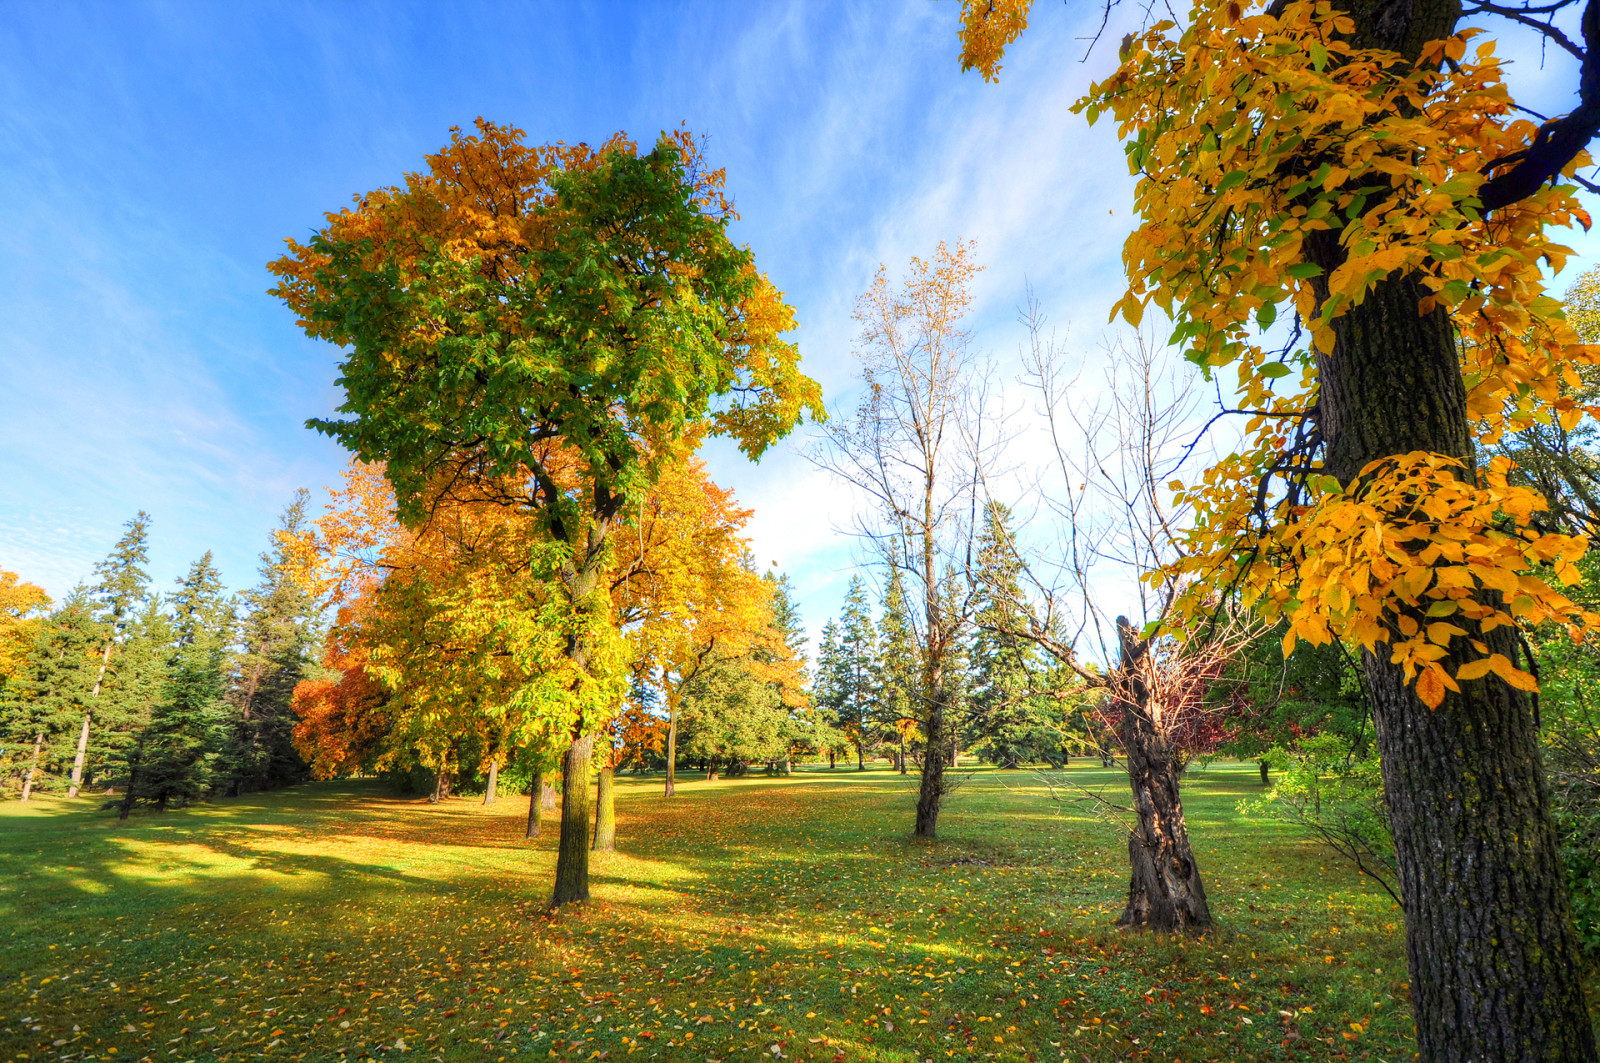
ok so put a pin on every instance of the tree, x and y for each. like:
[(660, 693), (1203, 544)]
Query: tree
[(21, 610), (277, 633), (1350, 159), (49, 695), (118, 594), (855, 689), (513, 300), (174, 759), (899, 670), (905, 451), (1010, 717)]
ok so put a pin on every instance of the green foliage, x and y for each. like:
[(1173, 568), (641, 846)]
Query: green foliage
[(1012, 721), (1333, 790), (278, 636), (730, 716), (51, 693)]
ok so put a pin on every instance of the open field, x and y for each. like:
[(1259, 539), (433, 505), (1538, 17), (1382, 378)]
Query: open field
[(745, 919)]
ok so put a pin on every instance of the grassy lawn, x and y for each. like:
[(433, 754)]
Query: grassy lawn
[(744, 919)]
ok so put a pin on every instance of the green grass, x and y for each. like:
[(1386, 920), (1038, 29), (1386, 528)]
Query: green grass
[(334, 921)]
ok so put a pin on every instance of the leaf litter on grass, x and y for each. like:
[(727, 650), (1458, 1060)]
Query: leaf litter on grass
[(749, 919)]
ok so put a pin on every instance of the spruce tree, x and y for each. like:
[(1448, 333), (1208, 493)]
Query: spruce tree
[(829, 686), (47, 699), (898, 667), (1014, 724), (177, 754), (278, 633), (858, 658), (119, 594)]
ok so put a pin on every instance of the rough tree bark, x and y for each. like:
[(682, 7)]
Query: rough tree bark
[(494, 778), (572, 860), (605, 815), (1164, 891), (1489, 936), (33, 766), (930, 795)]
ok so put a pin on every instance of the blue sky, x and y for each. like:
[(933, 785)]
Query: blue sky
[(154, 157)]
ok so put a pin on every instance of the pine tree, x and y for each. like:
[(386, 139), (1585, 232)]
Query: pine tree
[(1013, 723), (858, 673), (49, 696), (828, 689), (119, 596), (176, 757), (278, 635)]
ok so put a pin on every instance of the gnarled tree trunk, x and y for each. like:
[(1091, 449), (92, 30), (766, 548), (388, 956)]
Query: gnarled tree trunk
[(605, 815), (1164, 890)]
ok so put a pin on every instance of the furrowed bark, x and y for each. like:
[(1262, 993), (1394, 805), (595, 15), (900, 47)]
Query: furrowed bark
[(1164, 891), (930, 797), (572, 861), (535, 802), (1489, 936), (605, 816)]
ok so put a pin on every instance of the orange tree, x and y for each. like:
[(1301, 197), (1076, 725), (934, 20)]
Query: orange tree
[(1352, 162), (509, 298)]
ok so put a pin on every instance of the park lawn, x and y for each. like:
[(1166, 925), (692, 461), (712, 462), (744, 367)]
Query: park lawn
[(744, 919)]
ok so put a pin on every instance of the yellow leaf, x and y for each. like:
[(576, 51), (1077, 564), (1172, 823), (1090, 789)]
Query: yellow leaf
[(1473, 670), (1430, 688)]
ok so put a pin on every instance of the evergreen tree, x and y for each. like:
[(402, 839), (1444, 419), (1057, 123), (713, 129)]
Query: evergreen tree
[(829, 686), (858, 669), (1013, 723), (119, 595), (175, 759), (898, 668), (278, 634), (48, 698)]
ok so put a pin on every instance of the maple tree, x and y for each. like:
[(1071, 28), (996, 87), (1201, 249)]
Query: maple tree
[(511, 301), (1354, 162), (21, 605)]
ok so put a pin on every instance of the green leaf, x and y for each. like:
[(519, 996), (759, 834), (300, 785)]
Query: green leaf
[(1304, 271), (1274, 370), (1267, 315)]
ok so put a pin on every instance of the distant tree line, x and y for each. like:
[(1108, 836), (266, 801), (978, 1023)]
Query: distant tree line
[(153, 698)]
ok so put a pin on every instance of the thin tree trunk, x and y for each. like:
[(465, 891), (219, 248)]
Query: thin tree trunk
[(902, 752), (672, 746), (861, 757), (535, 800), (33, 766), (931, 795), (83, 735), (605, 814), (1164, 890), (133, 782), (494, 777), (830, 760), (572, 860), (1264, 781)]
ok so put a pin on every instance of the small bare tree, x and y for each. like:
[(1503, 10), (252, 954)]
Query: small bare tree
[(1105, 492), (904, 451)]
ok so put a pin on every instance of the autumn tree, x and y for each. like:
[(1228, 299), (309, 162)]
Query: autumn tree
[(906, 451), (1353, 161), (510, 298), (22, 606)]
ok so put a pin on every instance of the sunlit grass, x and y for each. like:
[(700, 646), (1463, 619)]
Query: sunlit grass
[(746, 918)]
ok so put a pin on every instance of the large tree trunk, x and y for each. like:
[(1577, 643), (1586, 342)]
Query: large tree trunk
[(1492, 951), (535, 800), (494, 777), (930, 797), (830, 760), (572, 860), (33, 766), (605, 815), (1164, 889), (547, 795)]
